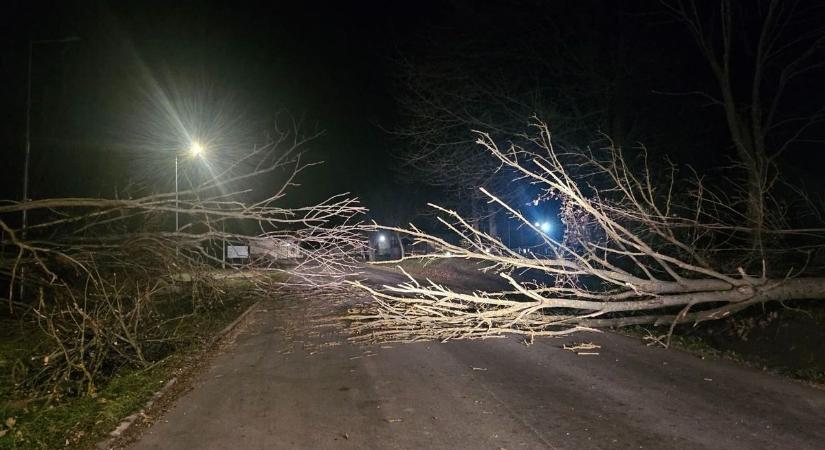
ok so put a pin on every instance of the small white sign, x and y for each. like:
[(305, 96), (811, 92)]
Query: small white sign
[(237, 251)]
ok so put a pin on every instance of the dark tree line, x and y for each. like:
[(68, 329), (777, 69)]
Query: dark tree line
[(723, 87)]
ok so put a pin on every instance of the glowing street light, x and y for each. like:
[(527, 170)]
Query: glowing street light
[(381, 238), (196, 148), (544, 226)]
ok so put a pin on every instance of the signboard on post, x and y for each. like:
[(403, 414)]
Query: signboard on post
[(237, 251)]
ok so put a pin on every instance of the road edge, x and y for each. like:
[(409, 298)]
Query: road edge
[(127, 422)]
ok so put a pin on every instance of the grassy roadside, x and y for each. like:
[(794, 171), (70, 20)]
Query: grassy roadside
[(80, 422), (783, 340)]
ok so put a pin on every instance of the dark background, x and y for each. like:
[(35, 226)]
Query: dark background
[(95, 102), (325, 64)]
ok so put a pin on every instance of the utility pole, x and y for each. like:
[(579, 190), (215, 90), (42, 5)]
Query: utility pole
[(27, 156)]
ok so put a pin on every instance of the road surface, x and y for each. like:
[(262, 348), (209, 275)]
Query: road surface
[(291, 381)]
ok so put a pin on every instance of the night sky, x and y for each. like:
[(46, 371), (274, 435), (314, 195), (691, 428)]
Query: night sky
[(333, 65), (325, 65)]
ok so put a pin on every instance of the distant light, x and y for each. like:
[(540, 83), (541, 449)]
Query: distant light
[(381, 238), (448, 254), (546, 227), (196, 148), (537, 224)]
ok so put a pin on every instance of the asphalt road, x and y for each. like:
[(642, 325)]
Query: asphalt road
[(290, 380)]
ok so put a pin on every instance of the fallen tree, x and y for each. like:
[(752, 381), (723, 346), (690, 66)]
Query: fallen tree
[(641, 246), (93, 271)]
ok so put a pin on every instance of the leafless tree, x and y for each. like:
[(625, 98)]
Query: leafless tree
[(642, 246), (96, 268), (490, 78), (758, 52)]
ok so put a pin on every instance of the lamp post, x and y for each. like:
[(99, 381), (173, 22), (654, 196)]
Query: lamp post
[(195, 149)]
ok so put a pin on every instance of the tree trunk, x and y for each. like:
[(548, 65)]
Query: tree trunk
[(756, 208), (400, 245), (491, 221)]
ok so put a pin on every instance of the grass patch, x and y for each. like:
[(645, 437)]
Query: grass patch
[(780, 339), (19, 341), (79, 422), (82, 421)]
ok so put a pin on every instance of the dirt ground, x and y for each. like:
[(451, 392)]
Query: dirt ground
[(784, 338)]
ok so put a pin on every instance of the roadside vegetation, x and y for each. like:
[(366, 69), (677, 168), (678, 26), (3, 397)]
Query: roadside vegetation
[(37, 420), (104, 298), (786, 340)]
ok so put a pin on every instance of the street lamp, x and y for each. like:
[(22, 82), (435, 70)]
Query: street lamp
[(195, 149), (544, 226)]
